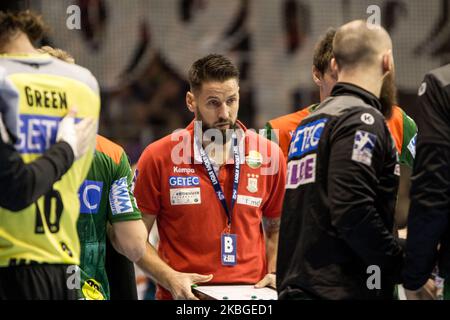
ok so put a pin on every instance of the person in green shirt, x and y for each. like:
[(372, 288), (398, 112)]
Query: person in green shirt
[(108, 208)]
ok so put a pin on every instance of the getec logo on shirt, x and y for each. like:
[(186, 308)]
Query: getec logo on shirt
[(37, 133), (184, 181), (306, 138), (90, 195)]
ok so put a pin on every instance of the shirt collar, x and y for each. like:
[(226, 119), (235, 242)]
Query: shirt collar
[(345, 88), (29, 58)]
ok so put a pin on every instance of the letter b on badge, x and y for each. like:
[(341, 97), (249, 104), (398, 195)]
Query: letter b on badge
[(228, 249), (228, 244)]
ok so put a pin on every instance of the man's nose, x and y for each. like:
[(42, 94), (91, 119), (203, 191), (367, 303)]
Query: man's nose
[(223, 111)]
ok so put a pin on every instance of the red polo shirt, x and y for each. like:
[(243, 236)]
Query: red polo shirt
[(191, 218)]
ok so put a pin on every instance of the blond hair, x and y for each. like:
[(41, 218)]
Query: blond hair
[(57, 53)]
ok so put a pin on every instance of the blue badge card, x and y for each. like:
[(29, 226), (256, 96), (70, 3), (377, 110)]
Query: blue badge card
[(229, 249)]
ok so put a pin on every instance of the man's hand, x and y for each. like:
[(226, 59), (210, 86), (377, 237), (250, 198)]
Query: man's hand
[(427, 292), (269, 280), (79, 136), (180, 284)]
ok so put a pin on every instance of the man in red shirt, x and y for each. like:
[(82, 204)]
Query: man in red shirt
[(215, 190)]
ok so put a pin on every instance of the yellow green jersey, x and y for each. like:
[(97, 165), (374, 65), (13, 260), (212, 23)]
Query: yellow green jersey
[(46, 231)]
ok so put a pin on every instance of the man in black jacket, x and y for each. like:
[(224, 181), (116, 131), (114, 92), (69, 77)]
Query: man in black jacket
[(336, 236), (428, 240)]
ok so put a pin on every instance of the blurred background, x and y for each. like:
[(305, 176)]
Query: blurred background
[(140, 51)]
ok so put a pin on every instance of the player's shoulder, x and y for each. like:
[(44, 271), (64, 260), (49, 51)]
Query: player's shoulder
[(442, 74), (265, 146), (161, 149), (76, 72), (109, 148), (364, 114), (286, 120), (400, 115)]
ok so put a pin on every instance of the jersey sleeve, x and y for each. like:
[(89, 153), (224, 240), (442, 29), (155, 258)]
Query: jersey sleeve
[(409, 141), (122, 203), (147, 188), (22, 184), (434, 117), (9, 105), (274, 205), (358, 143), (268, 133)]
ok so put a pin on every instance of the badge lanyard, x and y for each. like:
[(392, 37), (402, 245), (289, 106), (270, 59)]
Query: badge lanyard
[(215, 181)]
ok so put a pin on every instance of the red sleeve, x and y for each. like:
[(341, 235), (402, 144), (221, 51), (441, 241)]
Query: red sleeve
[(147, 189), (274, 204)]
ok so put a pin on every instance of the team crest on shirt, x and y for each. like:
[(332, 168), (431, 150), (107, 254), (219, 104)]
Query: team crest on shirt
[(252, 182), (254, 159)]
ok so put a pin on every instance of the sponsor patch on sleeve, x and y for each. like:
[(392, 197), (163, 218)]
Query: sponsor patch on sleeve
[(119, 198), (412, 146), (363, 146)]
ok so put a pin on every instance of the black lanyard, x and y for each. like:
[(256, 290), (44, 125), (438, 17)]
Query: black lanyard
[(215, 181)]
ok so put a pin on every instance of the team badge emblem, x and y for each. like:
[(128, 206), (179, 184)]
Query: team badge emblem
[(252, 182), (254, 159)]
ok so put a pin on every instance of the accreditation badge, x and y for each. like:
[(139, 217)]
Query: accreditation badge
[(228, 249)]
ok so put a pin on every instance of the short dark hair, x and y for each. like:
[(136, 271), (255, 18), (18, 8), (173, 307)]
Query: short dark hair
[(323, 52), (213, 67), (26, 21)]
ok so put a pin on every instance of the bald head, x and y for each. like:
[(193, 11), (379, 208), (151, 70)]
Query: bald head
[(359, 44)]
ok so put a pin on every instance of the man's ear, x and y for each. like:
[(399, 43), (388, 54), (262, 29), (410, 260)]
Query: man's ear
[(387, 62), (190, 101), (316, 76), (334, 66)]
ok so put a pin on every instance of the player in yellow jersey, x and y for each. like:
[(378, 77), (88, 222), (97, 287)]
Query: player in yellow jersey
[(22, 184), (39, 244)]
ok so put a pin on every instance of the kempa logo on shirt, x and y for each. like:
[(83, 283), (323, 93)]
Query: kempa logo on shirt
[(183, 170)]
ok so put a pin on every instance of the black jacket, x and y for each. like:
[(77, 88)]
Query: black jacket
[(428, 220), (338, 212), (22, 184)]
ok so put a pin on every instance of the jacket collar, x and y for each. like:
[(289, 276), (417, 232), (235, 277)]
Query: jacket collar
[(345, 88)]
